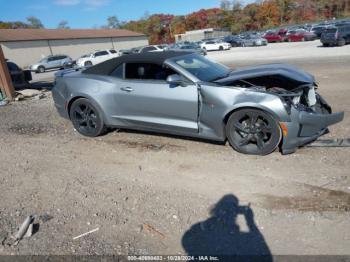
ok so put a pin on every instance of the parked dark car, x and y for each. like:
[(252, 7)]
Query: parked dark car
[(318, 30), (257, 109), (234, 40), (20, 78), (336, 36)]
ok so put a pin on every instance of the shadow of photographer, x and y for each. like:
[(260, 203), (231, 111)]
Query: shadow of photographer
[(220, 235)]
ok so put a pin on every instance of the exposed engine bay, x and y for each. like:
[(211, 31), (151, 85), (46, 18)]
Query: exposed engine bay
[(301, 95)]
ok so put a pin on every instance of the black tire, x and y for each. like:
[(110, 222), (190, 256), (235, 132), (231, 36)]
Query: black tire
[(253, 132), (86, 118), (326, 45), (341, 42), (221, 48), (41, 69), (88, 63)]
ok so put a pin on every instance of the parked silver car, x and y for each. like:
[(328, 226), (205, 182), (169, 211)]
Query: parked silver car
[(253, 40), (192, 47), (50, 62), (257, 109)]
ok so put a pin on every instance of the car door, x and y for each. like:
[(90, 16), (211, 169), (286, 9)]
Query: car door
[(51, 62), (210, 45), (144, 99), (101, 56)]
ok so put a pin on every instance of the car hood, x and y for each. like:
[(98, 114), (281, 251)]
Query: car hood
[(286, 70)]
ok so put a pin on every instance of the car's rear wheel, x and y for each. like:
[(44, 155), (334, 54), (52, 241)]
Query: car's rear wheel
[(253, 131), (86, 119), (41, 69), (341, 42), (326, 45), (88, 63), (221, 48)]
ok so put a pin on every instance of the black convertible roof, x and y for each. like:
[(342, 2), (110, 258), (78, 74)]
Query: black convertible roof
[(108, 66)]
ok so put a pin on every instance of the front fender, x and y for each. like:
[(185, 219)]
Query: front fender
[(218, 103)]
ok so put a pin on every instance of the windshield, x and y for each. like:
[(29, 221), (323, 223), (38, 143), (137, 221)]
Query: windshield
[(203, 68)]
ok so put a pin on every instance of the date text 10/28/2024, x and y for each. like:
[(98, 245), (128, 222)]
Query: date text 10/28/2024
[(172, 258)]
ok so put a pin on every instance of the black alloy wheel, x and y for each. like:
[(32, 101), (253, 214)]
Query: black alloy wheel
[(41, 69), (253, 131), (86, 118)]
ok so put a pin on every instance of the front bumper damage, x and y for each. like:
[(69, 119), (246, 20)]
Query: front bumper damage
[(306, 127)]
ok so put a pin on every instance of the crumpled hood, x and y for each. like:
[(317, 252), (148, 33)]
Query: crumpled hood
[(286, 70)]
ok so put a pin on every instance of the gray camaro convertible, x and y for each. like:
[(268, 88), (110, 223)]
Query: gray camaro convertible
[(257, 109)]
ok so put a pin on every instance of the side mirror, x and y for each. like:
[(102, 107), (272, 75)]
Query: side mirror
[(175, 79)]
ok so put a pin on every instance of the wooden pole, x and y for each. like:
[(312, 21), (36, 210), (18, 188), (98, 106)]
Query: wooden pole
[(5, 78)]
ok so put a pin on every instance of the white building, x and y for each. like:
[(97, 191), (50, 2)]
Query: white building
[(27, 46)]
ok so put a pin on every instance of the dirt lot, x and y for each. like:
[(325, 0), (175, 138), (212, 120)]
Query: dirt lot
[(144, 191)]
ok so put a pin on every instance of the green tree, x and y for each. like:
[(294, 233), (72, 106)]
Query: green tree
[(63, 25), (113, 22), (34, 22)]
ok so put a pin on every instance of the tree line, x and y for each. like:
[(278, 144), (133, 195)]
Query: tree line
[(235, 17), (231, 15)]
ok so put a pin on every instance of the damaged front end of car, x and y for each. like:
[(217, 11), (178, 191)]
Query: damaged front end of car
[(309, 114)]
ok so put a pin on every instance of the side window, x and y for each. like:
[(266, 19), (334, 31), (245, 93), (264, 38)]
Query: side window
[(148, 49), (12, 66), (112, 51), (118, 72), (147, 71), (101, 53), (50, 59)]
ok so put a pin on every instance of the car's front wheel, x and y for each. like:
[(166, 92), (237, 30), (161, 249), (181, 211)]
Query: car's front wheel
[(86, 119), (41, 69), (253, 131)]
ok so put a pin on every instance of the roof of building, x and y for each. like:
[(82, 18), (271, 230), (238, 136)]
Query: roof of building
[(9, 35), (108, 66)]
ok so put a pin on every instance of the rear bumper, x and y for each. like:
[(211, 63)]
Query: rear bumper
[(329, 41), (306, 127)]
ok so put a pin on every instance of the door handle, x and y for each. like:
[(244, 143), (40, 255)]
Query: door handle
[(127, 89)]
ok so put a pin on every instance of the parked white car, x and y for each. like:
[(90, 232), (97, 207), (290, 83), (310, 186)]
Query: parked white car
[(97, 57), (213, 45)]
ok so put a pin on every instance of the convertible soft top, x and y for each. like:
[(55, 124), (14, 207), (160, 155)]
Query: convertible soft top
[(108, 66)]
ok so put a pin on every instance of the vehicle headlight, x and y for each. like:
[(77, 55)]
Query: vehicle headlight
[(296, 100)]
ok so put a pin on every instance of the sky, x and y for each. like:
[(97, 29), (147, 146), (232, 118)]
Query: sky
[(94, 13)]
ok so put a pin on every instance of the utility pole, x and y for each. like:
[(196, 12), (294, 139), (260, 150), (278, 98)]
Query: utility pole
[(5, 78)]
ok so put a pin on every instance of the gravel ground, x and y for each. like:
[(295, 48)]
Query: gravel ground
[(156, 194)]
